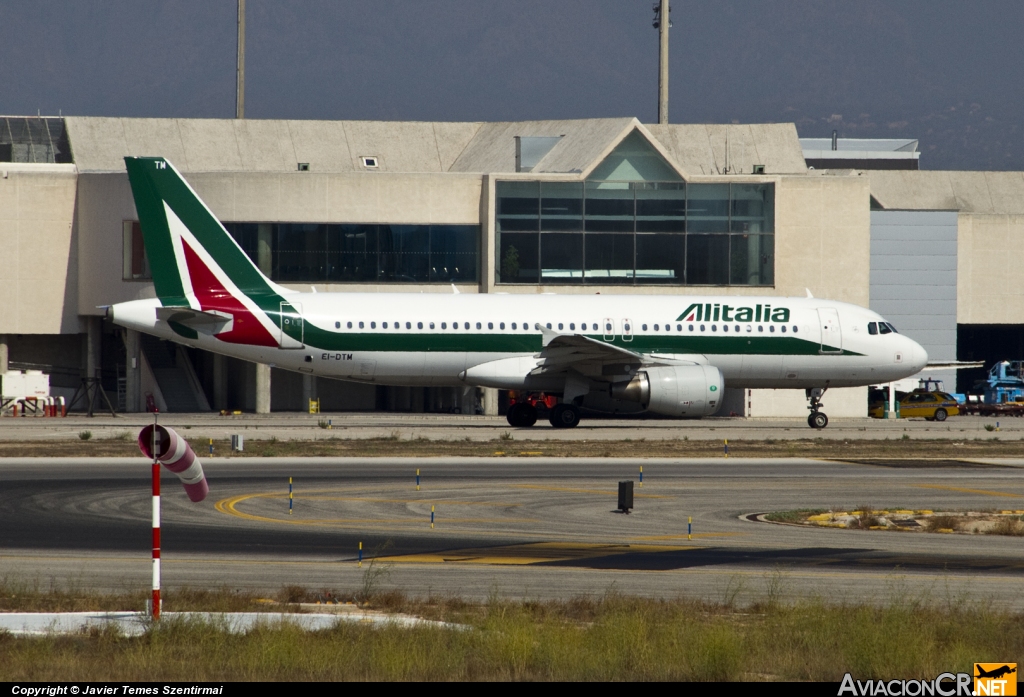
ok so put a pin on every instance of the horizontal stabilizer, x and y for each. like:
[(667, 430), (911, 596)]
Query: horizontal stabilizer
[(210, 322), (954, 365)]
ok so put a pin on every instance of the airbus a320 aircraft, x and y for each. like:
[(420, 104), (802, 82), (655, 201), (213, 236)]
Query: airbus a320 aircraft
[(674, 355)]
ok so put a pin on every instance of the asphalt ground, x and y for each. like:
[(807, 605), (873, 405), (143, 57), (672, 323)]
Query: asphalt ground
[(357, 425), (514, 527)]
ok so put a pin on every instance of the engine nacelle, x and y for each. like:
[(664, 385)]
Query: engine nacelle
[(677, 390)]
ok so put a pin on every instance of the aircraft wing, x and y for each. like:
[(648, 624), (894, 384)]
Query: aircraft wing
[(563, 351), (595, 358), (208, 322)]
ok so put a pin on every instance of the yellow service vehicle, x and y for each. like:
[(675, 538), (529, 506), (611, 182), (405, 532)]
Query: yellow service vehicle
[(933, 406)]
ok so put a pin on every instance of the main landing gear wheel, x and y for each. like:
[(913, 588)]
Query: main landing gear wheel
[(521, 415), (817, 419), (565, 416)]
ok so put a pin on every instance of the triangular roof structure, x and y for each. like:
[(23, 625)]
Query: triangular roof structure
[(99, 144), (634, 158)]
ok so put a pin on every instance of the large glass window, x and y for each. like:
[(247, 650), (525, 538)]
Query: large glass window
[(453, 253), (519, 206), (404, 253), (519, 257), (33, 139), (660, 207), (561, 206), (609, 209), (635, 232), (351, 253), (707, 260), (358, 253), (301, 252), (609, 258), (752, 209), (562, 254), (707, 208), (660, 259)]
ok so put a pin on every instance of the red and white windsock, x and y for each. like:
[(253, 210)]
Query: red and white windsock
[(174, 453)]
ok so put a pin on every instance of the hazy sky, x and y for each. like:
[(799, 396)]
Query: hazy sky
[(946, 72)]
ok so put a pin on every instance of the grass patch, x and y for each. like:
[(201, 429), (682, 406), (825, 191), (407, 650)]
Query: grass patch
[(797, 516), (84, 435), (1012, 527), (944, 522), (866, 520), (612, 637)]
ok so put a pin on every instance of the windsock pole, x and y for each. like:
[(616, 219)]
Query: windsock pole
[(156, 528)]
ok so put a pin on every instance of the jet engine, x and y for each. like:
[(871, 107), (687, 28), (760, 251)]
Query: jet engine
[(676, 390)]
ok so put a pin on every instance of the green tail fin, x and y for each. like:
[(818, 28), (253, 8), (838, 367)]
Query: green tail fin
[(169, 209)]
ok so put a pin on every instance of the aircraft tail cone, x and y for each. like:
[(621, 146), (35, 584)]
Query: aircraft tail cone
[(174, 453)]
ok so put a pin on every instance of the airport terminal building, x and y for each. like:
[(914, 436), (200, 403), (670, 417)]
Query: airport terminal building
[(607, 206)]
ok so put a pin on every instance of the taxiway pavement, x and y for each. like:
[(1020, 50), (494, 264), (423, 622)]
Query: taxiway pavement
[(515, 527), (442, 427)]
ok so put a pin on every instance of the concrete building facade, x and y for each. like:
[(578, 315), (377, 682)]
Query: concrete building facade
[(587, 206)]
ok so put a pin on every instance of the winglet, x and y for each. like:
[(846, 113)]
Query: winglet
[(808, 292)]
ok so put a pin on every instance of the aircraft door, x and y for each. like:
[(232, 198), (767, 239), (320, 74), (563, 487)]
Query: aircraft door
[(627, 329), (831, 332), (609, 329), (291, 328)]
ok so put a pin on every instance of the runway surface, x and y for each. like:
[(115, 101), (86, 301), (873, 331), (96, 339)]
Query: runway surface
[(531, 527), (441, 427)]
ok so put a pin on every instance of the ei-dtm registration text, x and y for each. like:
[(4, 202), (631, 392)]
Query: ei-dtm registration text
[(118, 690)]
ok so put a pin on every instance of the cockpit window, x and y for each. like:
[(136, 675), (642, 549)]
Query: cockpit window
[(872, 328), (889, 324), (883, 328)]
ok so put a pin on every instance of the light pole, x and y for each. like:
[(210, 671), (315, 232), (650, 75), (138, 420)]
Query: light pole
[(662, 22), (240, 67)]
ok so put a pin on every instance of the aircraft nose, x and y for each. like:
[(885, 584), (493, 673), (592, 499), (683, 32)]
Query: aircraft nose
[(918, 356)]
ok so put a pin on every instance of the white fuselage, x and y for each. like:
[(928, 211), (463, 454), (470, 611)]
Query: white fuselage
[(433, 339)]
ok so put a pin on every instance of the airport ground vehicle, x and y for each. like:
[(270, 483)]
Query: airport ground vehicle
[(672, 354), (1001, 393), (930, 405)]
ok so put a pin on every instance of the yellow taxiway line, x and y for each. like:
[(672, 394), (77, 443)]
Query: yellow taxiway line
[(531, 553), (601, 492), (229, 507), (984, 492), (653, 538)]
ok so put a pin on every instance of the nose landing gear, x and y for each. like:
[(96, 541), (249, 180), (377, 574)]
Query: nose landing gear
[(817, 418)]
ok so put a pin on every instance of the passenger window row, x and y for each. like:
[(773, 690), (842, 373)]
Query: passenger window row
[(433, 325), (737, 329)]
